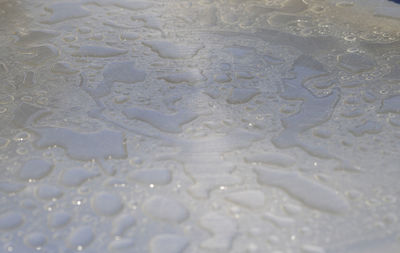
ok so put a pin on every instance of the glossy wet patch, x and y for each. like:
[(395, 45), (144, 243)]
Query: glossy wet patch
[(173, 126)]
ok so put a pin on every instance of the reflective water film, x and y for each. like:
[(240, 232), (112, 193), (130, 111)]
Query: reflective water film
[(195, 126)]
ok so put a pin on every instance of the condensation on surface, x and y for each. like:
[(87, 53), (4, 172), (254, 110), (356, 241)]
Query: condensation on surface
[(173, 126)]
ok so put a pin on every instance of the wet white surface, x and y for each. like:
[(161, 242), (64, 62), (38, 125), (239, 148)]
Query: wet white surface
[(173, 126)]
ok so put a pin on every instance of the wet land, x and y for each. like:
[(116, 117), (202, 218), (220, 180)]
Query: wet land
[(199, 126)]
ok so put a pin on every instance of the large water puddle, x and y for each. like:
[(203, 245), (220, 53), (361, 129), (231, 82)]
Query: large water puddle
[(180, 126)]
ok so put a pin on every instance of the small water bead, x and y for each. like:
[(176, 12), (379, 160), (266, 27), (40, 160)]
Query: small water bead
[(318, 8), (10, 220), (106, 203), (386, 35), (22, 151), (345, 4), (3, 68), (84, 30), (117, 183), (6, 99), (121, 244), (89, 219), (166, 209), (390, 199), (390, 219), (42, 101), (308, 248), (297, 30), (35, 169), (96, 66), (22, 136), (51, 207), (308, 32), (260, 117), (84, 190), (79, 201), (6, 237), (97, 36), (252, 247), (122, 224), (304, 22), (80, 238), (3, 109), (132, 205), (129, 36), (26, 99), (40, 93), (47, 192), (48, 154), (168, 243), (29, 204), (4, 142), (350, 37), (135, 161), (35, 240), (69, 38), (75, 177), (59, 219), (324, 29), (370, 36), (353, 194)]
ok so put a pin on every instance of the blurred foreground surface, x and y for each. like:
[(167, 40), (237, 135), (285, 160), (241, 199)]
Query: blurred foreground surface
[(176, 126)]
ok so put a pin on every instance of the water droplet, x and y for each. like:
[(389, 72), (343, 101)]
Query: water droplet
[(27, 99), (22, 151), (22, 136), (6, 99), (350, 37), (42, 101)]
